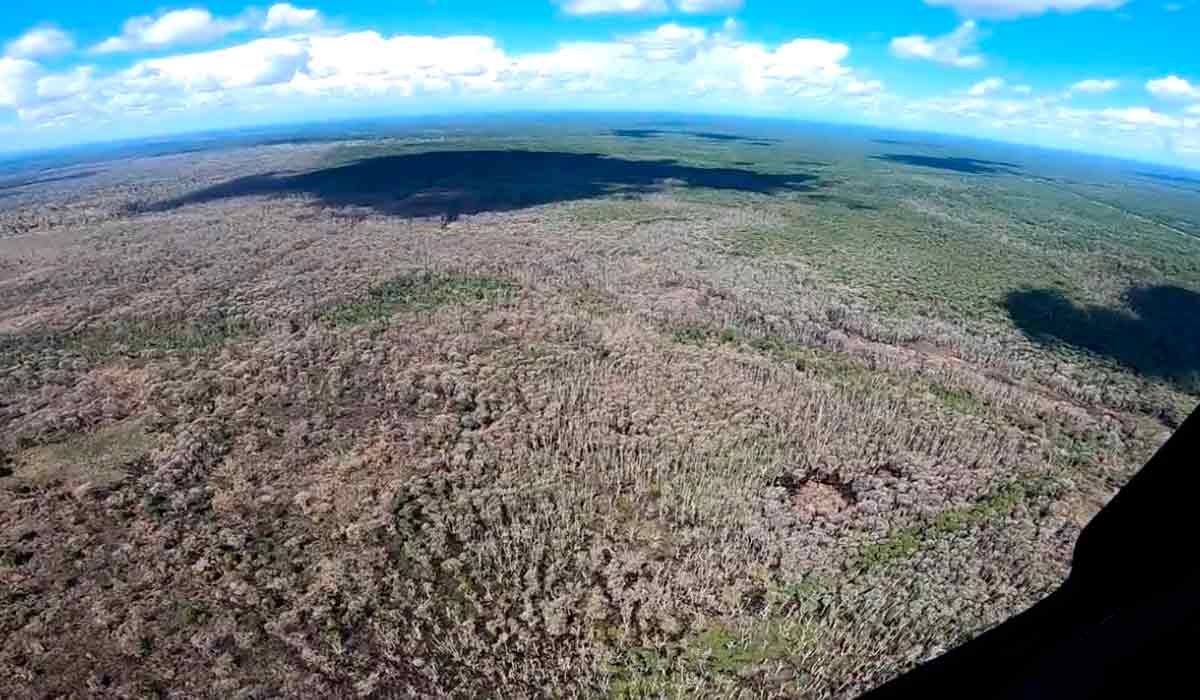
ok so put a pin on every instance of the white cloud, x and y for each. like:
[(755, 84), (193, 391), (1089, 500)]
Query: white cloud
[(707, 7), (659, 67), (1173, 87), (1130, 131), (1010, 9), (40, 97), (572, 67), (614, 7), (287, 16), (61, 86), (40, 42), (670, 65), (665, 63), (179, 27), (952, 49), (798, 64), (260, 62), (18, 79), (1094, 86), (985, 87), (1023, 89), (1130, 117), (670, 42), (368, 63), (863, 87)]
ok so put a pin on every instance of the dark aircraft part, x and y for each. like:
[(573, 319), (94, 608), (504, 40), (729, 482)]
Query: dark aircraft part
[(1125, 624)]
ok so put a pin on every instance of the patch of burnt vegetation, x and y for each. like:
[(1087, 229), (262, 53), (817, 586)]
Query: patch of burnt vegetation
[(588, 449)]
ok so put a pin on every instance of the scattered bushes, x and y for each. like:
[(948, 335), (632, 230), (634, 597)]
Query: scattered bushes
[(593, 451)]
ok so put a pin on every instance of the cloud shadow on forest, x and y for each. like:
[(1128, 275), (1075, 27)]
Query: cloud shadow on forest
[(1158, 336), (26, 182), (1170, 179), (902, 142), (969, 166), (453, 183), (704, 135)]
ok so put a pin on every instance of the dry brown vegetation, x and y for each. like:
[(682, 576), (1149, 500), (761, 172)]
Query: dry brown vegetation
[(264, 446)]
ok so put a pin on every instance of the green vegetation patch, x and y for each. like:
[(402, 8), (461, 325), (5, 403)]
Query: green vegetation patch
[(957, 400), (194, 614), (764, 654), (131, 337), (903, 543), (170, 335), (420, 292)]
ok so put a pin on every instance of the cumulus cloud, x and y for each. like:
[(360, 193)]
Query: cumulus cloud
[(41, 97), (17, 80), (1129, 130), (287, 16), (176, 28), (1133, 117), (61, 86), (661, 66), (669, 62), (613, 7), (40, 42), (953, 49), (707, 7), (648, 7), (1094, 86), (1173, 87), (670, 42), (367, 62), (655, 67), (802, 67), (260, 62), (1011, 9), (985, 87)]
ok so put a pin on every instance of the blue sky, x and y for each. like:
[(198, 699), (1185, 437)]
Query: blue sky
[(1120, 77)]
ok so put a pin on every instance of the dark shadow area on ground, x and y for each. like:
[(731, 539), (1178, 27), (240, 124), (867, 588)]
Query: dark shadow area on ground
[(14, 184), (706, 135), (969, 166), (1170, 179), (902, 142), (1159, 336), (451, 183)]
